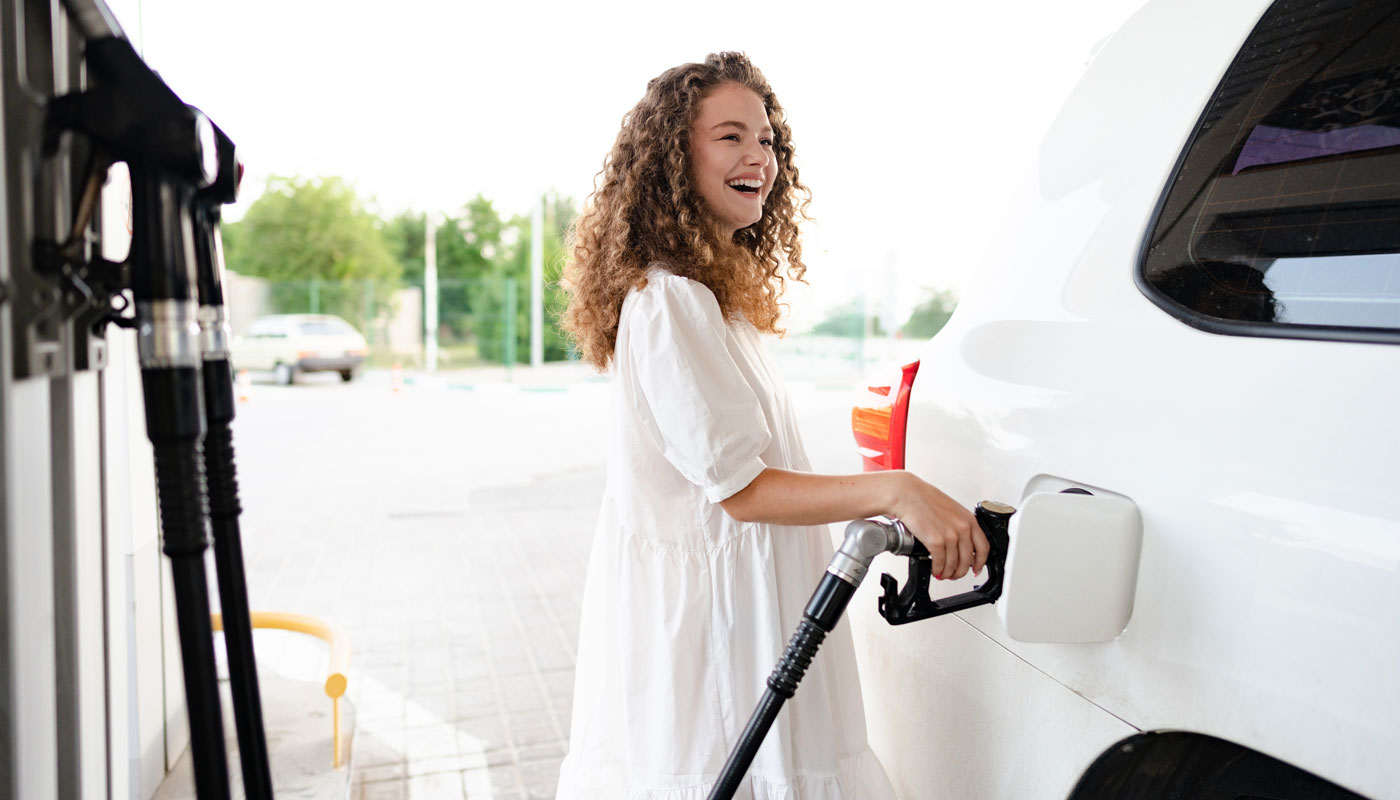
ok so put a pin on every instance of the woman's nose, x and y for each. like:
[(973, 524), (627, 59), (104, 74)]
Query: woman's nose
[(757, 154)]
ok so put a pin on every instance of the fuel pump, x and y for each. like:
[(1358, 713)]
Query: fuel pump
[(183, 170), (864, 540)]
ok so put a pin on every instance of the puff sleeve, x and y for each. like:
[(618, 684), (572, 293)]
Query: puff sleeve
[(690, 392)]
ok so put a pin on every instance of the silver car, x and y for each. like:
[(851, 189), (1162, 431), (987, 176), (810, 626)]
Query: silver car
[(289, 344)]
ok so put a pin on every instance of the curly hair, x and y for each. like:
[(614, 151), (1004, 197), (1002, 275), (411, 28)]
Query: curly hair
[(645, 209)]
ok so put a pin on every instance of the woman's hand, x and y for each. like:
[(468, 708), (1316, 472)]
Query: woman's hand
[(954, 540)]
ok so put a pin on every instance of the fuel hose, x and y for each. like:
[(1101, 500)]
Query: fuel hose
[(128, 114), (864, 540), (163, 286), (222, 476)]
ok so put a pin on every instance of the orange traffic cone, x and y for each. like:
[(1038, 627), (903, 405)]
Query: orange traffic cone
[(245, 386), (396, 378)]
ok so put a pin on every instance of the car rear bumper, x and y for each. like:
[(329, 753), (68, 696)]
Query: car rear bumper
[(330, 363)]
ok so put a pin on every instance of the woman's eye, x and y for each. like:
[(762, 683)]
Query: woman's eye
[(733, 137), (766, 142)]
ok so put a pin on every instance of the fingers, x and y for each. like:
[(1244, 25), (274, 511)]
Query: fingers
[(982, 546), (960, 545), (957, 546), (950, 533), (964, 554), (936, 545), (949, 547)]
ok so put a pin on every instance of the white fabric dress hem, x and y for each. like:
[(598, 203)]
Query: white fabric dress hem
[(858, 777)]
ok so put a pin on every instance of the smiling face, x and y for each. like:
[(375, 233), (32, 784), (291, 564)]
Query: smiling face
[(731, 155)]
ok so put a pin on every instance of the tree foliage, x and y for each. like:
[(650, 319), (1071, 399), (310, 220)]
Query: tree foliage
[(318, 228), (317, 245), (403, 234), (930, 316), (848, 320), (513, 266)]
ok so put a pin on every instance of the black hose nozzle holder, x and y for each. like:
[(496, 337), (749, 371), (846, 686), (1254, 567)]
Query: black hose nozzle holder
[(913, 602), (175, 156)]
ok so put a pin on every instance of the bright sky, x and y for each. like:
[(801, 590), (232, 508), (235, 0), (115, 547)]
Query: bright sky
[(911, 119)]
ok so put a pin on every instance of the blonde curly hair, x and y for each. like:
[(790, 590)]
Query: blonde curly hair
[(645, 209)]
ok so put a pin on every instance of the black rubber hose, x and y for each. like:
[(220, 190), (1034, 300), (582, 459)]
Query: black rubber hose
[(821, 615), (738, 764), (222, 475), (224, 510), (180, 480)]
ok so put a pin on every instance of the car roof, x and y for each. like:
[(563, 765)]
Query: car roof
[(298, 318)]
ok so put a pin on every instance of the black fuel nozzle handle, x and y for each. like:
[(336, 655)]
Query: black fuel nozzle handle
[(913, 603)]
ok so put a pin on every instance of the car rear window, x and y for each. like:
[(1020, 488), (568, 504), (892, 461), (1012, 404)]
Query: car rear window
[(324, 327), (1283, 218)]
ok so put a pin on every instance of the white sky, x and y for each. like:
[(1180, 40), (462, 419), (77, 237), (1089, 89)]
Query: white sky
[(911, 120)]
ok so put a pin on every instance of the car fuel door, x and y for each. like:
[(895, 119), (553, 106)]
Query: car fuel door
[(1071, 572)]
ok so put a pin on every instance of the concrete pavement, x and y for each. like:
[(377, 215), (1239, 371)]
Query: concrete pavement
[(445, 528)]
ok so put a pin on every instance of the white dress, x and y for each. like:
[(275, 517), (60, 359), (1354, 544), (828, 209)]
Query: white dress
[(685, 610)]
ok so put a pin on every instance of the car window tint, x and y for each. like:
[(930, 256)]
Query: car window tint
[(1284, 216)]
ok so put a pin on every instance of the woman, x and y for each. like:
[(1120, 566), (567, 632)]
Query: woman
[(712, 533)]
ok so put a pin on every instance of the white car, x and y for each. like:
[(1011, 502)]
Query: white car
[(1191, 319), (289, 344)]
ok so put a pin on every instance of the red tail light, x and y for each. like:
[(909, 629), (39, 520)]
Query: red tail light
[(878, 423)]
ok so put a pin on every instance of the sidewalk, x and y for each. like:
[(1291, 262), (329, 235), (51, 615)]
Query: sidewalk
[(550, 375), (447, 533), (464, 634)]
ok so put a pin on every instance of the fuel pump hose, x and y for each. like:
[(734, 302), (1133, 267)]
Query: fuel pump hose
[(864, 540)]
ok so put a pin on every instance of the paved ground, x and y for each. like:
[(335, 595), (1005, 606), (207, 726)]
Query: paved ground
[(445, 527)]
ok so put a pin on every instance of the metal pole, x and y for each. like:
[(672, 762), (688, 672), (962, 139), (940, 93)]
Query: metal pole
[(430, 291), (537, 283)]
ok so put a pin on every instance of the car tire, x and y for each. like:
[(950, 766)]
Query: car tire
[(347, 375), (283, 374)]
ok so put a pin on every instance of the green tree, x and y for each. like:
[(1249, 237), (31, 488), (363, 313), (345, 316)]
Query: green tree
[(316, 243), (468, 244), (847, 320), (930, 316), (403, 234), (511, 266)]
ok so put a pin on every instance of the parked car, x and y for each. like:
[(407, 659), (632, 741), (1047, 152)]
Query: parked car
[(1190, 319), (289, 344)]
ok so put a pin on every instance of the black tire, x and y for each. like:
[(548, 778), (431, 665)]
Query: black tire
[(1177, 764), (347, 375), (283, 374)]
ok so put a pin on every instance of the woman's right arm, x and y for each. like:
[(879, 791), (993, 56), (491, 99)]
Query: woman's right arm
[(951, 534)]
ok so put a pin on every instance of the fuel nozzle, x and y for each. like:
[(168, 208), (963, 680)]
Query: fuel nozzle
[(913, 603), (172, 151), (865, 539)]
